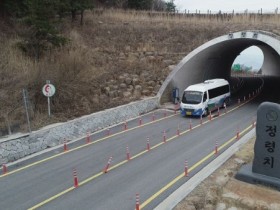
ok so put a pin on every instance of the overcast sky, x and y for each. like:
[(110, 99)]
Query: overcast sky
[(252, 56), (227, 5)]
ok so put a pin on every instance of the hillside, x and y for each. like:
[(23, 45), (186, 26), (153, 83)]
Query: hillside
[(114, 58)]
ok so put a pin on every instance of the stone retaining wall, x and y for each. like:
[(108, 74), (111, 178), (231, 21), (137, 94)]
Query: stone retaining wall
[(14, 149)]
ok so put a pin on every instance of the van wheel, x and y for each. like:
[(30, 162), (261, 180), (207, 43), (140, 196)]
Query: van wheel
[(227, 101), (206, 113)]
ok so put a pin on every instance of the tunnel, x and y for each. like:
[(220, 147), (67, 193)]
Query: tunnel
[(214, 59)]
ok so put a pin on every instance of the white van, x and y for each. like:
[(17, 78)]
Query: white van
[(200, 99)]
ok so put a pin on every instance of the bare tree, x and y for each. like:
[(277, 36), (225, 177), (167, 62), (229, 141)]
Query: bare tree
[(120, 3), (158, 5)]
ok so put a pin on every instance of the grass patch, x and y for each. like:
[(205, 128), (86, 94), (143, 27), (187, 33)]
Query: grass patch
[(110, 43)]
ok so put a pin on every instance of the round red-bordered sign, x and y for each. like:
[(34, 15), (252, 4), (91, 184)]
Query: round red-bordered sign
[(48, 90)]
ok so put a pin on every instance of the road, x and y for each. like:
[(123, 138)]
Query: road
[(46, 181)]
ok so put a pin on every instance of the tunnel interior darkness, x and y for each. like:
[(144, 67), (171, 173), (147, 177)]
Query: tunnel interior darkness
[(214, 59)]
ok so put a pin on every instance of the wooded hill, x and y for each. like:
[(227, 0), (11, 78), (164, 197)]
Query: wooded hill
[(114, 57)]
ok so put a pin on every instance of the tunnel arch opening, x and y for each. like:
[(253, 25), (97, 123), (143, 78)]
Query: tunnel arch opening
[(249, 61), (214, 59)]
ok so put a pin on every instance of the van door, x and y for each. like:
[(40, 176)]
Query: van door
[(205, 102)]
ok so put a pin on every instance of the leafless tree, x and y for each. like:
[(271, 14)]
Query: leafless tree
[(158, 5)]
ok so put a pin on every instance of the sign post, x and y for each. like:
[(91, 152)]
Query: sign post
[(48, 90), (24, 91)]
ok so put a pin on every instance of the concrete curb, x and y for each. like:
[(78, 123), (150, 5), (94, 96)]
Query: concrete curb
[(172, 200), (70, 142)]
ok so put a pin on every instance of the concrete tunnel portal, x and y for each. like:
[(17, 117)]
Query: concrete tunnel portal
[(215, 58)]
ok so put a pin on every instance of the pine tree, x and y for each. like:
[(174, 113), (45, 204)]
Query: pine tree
[(13, 8), (170, 6), (79, 6), (41, 21), (42, 18), (140, 4)]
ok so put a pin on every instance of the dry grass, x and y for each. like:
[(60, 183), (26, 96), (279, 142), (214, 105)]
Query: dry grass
[(111, 42)]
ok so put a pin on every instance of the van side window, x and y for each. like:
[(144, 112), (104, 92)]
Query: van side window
[(204, 97), (218, 91)]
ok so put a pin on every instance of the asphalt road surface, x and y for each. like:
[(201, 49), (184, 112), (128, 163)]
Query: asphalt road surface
[(46, 181)]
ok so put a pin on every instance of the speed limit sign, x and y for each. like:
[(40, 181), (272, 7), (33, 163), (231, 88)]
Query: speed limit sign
[(48, 90)]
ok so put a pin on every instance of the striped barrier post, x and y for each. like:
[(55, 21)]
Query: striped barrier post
[(125, 125), (127, 153), (65, 145), (76, 183), (148, 143), (164, 136), (216, 147), (178, 130), (108, 165), (137, 202), (140, 120), (186, 168), (237, 134), (165, 113), (88, 138), (4, 169)]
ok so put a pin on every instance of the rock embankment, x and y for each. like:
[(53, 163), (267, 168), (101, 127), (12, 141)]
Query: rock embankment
[(134, 86)]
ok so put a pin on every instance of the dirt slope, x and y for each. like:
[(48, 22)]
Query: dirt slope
[(90, 73)]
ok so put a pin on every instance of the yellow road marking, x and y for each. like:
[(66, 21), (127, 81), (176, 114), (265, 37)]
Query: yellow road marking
[(82, 146), (101, 173), (163, 189), (115, 134), (135, 156), (52, 198)]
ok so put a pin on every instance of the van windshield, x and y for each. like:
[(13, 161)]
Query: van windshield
[(192, 97)]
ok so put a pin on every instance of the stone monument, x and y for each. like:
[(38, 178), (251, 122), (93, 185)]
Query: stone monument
[(265, 169)]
